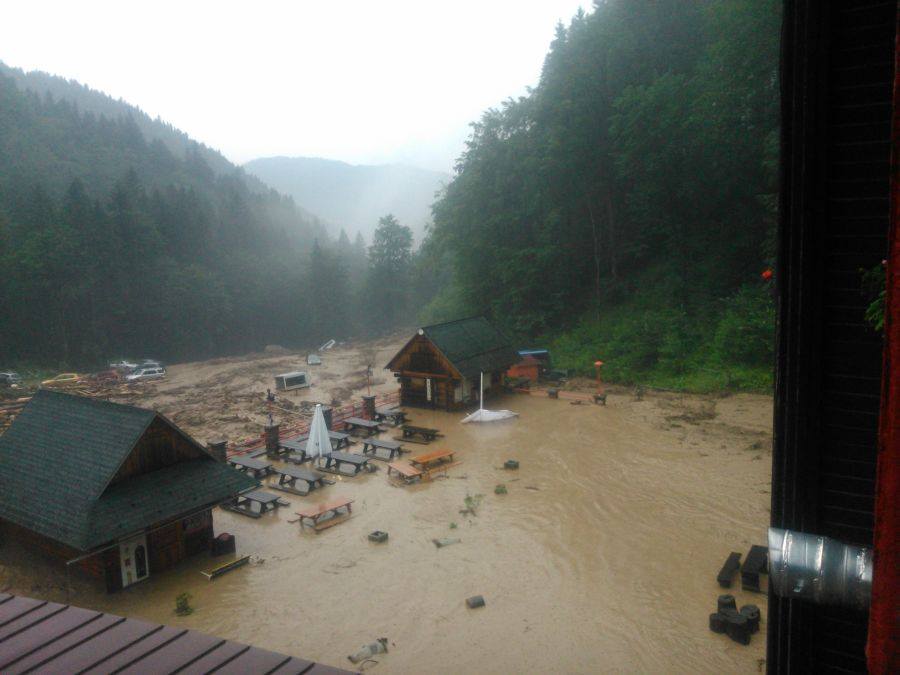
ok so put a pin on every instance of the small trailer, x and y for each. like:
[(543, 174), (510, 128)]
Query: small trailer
[(295, 380)]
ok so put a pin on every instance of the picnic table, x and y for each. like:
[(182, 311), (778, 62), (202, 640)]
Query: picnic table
[(431, 459), (394, 415), (255, 467), (365, 427), (427, 434), (320, 511), (404, 471), (338, 440), (334, 460), (288, 477), (372, 445), (245, 502)]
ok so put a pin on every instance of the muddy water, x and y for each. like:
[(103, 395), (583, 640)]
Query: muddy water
[(601, 557)]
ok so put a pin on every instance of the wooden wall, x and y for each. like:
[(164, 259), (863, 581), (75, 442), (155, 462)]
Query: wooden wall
[(159, 447)]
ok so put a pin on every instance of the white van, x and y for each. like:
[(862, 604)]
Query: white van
[(295, 380)]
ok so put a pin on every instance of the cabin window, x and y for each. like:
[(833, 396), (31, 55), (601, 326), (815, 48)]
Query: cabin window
[(458, 392)]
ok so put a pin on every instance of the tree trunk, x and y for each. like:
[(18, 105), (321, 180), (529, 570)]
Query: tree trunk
[(596, 236)]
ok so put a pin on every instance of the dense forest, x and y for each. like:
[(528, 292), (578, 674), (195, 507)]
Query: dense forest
[(624, 209), (121, 237)]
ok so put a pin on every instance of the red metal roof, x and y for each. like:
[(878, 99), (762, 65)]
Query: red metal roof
[(36, 635)]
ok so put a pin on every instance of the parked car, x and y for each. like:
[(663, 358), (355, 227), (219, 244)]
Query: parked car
[(150, 363), (10, 378), (123, 364), (62, 380), (146, 373)]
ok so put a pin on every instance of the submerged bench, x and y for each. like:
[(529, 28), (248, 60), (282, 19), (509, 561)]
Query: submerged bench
[(404, 471), (338, 440), (255, 467), (427, 434), (325, 515), (394, 415), (335, 460), (365, 427), (288, 477), (372, 445), (244, 503)]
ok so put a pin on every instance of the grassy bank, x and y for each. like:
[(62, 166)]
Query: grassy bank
[(722, 345)]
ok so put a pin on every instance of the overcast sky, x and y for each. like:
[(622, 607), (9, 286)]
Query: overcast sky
[(364, 82)]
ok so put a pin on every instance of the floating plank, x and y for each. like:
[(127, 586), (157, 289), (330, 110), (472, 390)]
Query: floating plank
[(726, 574), (755, 564), (226, 567)]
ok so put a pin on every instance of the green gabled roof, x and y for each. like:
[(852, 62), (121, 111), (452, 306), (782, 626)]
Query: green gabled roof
[(62, 451), (472, 345)]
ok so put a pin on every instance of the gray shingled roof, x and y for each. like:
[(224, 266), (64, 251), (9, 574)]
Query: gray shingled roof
[(472, 345), (59, 455)]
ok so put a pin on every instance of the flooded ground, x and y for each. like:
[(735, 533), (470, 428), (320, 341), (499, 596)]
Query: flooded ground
[(601, 557)]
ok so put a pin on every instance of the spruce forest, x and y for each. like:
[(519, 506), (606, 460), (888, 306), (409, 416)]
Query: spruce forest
[(623, 209)]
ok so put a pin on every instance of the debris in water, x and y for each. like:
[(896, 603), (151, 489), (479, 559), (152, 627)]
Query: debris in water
[(511, 464), (532, 487), (752, 614), (729, 569), (378, 536), (369, 650), (440, 543), (183, 604), (500, 489), (726, 601), (474, 602)]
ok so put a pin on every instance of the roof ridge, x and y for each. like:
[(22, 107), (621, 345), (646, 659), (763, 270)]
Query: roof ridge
[(89, 400), (465, 318)]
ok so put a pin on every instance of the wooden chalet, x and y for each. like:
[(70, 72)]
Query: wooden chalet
[(119, 489), (441, 365)]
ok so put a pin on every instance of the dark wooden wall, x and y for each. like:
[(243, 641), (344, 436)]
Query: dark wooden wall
[(160, 446)]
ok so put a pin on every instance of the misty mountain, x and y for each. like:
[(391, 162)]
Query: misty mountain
[(121, 235), (354, 197)]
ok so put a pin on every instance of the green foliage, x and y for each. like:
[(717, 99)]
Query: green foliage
[(874, 287), (183, 604), (626, 205)]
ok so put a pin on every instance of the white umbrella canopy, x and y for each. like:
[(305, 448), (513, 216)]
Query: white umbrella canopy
[(482, 415), (319, 442)]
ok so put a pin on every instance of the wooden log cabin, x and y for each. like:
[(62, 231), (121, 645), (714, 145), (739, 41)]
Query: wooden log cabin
[(441, 365), (118, 491)]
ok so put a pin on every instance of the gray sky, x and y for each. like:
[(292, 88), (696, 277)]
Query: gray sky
[(364, 82)]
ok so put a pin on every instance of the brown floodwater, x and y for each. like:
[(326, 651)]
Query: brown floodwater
[(601, 557)]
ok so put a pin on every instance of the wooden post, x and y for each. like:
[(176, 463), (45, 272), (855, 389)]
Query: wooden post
[(369, 407), (273, 440), (218, 448)]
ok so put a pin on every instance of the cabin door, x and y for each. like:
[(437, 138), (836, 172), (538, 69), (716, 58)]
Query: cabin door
[(133, 560)]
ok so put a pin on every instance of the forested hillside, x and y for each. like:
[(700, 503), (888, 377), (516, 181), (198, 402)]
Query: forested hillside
[(354, 197), (624, 209), (114, 243)]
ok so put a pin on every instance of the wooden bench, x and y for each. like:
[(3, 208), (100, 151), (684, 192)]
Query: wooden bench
[(338, 440), (404, 471), (288, 477), (431, 463), (255, 467), (332, 510), (372, 445), (364, 427), (334, 461), (410, 432), (393, 415), (244, 503)]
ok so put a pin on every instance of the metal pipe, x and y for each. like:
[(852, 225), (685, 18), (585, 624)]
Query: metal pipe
[(819, 569)]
